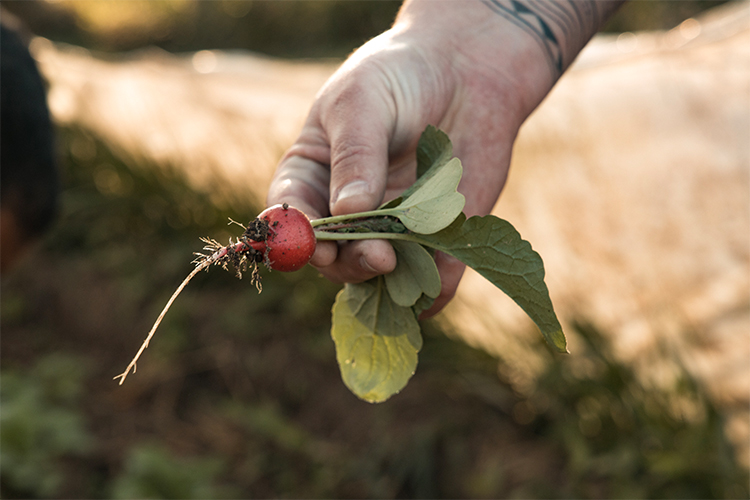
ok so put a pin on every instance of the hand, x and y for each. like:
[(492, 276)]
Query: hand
[(471, 73)]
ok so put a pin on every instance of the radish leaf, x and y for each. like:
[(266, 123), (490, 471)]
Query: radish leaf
[(423, 303), (434, 148), (433, 151), (376, 340), (493, 248), (415, 274), (435, 204)]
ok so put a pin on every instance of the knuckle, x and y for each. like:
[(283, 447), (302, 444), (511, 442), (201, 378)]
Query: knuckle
[(347, 155)]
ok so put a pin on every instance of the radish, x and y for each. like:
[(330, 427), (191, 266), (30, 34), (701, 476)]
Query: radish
[(281, 237), (290, 240)]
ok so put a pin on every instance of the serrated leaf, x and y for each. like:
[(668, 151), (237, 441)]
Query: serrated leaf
[(415, 274), (435, 204), (377, 340), (493, 248)]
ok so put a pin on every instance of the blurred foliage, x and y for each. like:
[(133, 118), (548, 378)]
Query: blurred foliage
[(628, 439), (239, 394), (40, 425), (311, 28), (153, 472)]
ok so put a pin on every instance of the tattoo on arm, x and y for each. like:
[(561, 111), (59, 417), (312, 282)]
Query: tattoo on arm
[(561, 28)]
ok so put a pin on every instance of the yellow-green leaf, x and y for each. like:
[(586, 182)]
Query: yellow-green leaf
[(377, 340)]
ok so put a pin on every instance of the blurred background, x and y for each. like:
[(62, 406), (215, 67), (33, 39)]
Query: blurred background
[(169, 118)]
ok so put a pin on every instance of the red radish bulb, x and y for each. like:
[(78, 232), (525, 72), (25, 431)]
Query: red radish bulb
[(291, 239)]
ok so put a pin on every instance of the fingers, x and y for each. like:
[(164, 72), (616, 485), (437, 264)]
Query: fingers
[(358, 156), (301, 180), (349, 129), (359, 170), (360, 261), (358, 124)]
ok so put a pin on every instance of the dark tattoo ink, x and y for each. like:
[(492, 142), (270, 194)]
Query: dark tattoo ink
[(575, 20)]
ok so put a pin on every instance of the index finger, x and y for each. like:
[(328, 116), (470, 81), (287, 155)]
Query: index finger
[(302, 182)]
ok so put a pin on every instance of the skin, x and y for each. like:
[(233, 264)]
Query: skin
[(474, 69)]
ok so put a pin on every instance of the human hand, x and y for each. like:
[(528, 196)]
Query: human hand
[(474, 75)]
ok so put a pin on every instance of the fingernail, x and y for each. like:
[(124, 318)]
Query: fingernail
[(364, 264), (354, 189)]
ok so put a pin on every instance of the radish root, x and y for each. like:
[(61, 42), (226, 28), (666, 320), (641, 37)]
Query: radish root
[(237, 253), (132, 366)]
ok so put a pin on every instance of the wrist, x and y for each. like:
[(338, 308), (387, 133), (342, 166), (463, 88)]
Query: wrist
[(481, 50), (524, 44)]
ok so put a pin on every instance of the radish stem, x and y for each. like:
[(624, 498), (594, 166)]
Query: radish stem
[(347, 217), (324, 235)]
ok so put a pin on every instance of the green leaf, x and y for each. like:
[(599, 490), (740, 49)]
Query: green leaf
[(433, 151), (423, 303), (377, 340), (415, 274), (493, 248), (435, 204), (432, 202)]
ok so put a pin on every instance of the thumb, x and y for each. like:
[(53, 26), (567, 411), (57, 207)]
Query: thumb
[(358, 131)]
